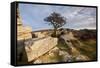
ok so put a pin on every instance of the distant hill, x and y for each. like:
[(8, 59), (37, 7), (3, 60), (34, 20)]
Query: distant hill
[(80, 34), (85, 34)]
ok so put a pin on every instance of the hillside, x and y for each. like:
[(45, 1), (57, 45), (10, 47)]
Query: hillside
[(69, 46)]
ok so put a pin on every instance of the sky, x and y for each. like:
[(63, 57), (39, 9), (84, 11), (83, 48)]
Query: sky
[(77, 17)]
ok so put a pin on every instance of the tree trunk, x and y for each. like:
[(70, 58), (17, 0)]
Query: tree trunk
[(55, 32)]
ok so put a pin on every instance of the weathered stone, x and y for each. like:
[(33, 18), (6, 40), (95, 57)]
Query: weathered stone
[(40, 47), (23, 32), (82, 58)]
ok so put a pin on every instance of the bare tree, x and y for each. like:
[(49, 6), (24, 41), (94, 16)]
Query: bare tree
[(56, 20)]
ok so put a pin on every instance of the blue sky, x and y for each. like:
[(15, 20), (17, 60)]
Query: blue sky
[(77, 17)]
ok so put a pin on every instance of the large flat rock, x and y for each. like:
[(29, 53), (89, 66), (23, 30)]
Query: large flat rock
[(40, 47)]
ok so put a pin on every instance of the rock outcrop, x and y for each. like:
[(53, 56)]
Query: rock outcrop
[(64, 51), (23, 32), (40, 47)]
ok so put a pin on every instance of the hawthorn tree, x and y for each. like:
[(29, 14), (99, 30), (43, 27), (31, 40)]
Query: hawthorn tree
[(56, 20)]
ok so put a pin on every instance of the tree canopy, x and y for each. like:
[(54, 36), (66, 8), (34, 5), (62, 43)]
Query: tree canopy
[(56, 20)]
